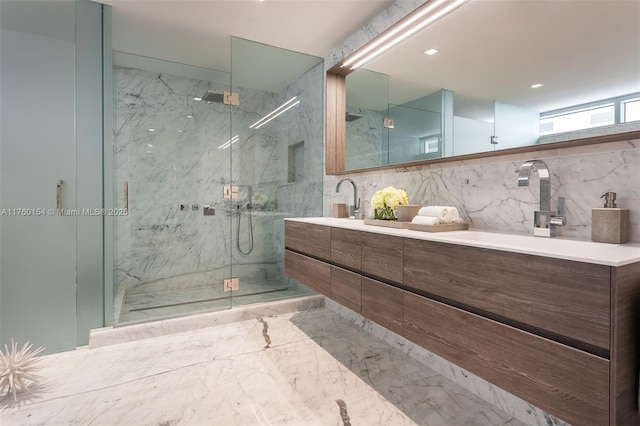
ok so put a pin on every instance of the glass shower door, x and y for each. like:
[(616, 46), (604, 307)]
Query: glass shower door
[(172, 248), (276, 162)]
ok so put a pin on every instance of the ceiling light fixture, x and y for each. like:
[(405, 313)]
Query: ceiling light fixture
[(230, 142), (197, 99), (180, 130), (189, 116), (535, 86), (431, 52), (149, 145), (152, 130), (425, 15), (273, 114)]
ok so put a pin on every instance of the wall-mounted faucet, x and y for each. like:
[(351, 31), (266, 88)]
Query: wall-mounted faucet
[(544, 220), (354, 210)]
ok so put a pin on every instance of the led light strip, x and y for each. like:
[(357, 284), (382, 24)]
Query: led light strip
[(283, 111), (431, 5), (409, 28), (266, 118), (228, 143)]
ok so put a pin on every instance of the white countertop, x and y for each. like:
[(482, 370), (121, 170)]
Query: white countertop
[(558, 248)]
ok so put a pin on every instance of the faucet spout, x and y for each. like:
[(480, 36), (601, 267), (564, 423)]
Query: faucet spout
[(545, 220), (540, 167), (355, 208)]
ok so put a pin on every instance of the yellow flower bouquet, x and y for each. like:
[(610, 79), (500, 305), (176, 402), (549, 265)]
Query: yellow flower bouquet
[(386, 201)]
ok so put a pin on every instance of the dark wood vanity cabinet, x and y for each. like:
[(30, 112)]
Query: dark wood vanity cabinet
[(382, 256), (308, 271), (382, 304), (346, 288), (346, 248), (562, 335), (568, 300), (311, 239), (567, 382)]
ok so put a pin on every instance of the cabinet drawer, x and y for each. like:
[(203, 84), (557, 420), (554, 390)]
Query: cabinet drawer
[(564, 381), (346, 288), (346, 248), (382, 304), (382, 256), (310, 272), (308, 238), (565, 298)]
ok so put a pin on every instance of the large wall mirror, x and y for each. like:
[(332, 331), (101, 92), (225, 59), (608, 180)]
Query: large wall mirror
[(505, 74)]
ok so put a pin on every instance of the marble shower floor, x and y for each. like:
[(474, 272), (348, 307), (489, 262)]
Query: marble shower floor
[(303, 368), (141, 307)]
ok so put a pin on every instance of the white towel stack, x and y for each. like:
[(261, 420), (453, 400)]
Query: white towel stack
[(436, 215), (426, 220)]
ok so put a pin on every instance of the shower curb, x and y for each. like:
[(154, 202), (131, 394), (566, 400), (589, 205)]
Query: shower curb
[(113, 335)]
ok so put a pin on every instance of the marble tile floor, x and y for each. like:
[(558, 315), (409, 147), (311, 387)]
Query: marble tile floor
[(142, 307), (303, 368)]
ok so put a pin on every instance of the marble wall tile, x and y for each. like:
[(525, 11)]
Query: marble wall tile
[(487, 195), (392, 14)]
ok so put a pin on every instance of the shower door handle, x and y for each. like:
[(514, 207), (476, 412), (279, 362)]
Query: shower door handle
[(126, 197), (59, 196)]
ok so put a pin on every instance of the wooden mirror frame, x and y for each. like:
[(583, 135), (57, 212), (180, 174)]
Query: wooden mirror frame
[(336, 107)]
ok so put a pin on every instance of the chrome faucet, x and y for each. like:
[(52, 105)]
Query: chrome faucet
[(354, 210), (545, 221)]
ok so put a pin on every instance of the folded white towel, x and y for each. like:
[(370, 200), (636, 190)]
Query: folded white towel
[(453, 215), (426, 220), (446, 214), (434, 211)]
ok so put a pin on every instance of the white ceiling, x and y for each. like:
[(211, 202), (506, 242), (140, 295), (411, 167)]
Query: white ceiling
[(488, 49), (581, 50), (198, 32)]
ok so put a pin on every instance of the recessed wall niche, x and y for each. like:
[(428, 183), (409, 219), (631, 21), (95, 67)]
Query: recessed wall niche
[(296, 162)]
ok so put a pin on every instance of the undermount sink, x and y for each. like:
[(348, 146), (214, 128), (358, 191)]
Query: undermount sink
[(526, 243)]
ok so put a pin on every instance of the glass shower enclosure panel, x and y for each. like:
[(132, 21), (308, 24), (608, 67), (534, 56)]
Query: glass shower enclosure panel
[(172, 248), (276, 156), (51, 289)]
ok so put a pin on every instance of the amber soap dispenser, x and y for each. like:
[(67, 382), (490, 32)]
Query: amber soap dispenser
[(610, 224)]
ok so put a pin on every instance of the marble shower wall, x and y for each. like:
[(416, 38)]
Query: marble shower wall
[(485, 190), (301, 129), (160, 246)]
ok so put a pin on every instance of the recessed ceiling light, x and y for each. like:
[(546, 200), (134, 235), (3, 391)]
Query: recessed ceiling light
[(180, 130), (152, 130), (535, 86), (197, 99), (189, 116), (148, 152), (149, 145), (431, 52)]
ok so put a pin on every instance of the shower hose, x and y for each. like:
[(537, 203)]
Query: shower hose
[(250, 231)]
